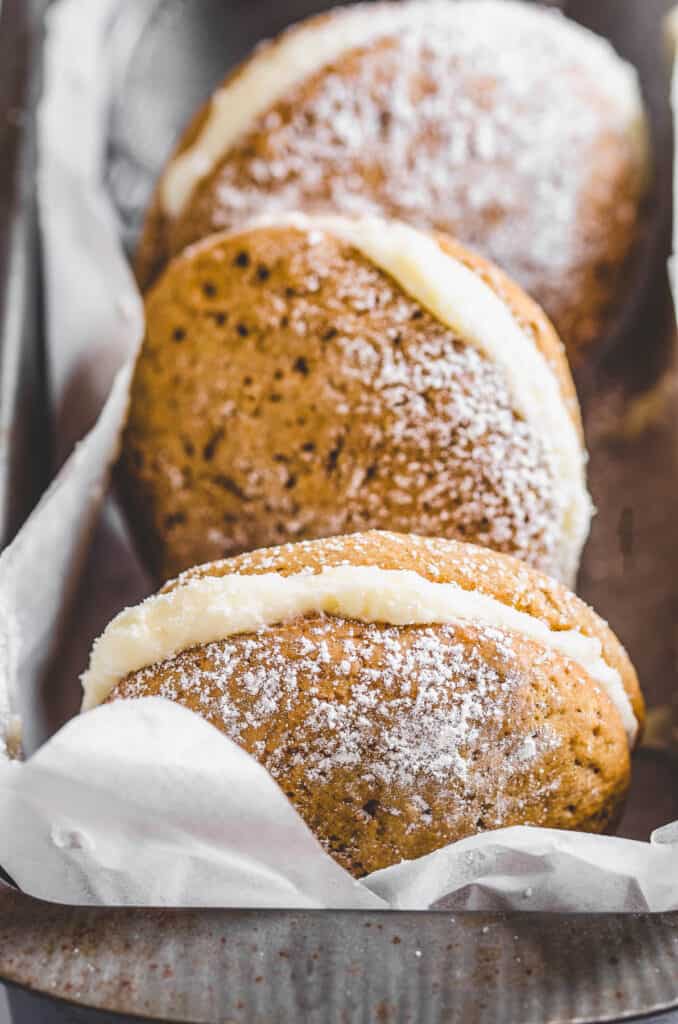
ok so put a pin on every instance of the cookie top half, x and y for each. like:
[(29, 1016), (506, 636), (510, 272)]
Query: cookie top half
[(318, 375)]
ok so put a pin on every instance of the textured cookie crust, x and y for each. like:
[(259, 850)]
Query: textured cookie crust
[(392, 741), (500, 128), (443, 561), (287, 388)]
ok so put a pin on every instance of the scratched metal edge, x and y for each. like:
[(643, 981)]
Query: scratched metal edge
[(208, 966), (184, 965)]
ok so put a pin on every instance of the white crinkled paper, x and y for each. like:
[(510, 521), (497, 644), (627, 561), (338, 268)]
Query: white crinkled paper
[(143, 802)]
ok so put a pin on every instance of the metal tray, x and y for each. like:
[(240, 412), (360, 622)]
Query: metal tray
[(75, 964), (23, 452)]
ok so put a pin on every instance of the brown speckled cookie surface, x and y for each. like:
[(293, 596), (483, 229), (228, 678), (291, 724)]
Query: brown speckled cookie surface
[(287, 388)]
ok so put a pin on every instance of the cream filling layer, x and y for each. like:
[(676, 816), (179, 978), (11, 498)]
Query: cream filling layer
[(461, 300), (300, 52), (213, 608)]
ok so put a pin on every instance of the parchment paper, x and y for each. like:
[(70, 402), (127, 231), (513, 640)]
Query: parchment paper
[(143, 802)]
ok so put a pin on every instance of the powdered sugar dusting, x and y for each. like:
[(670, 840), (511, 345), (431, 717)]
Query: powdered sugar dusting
[(503, 493), (413, 711), (310, 556)]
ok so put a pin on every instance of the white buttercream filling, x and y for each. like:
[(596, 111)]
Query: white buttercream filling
[(461, 300), (212, 608), (274, 70)]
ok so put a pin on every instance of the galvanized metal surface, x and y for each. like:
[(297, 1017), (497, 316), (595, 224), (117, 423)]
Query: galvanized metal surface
[(23, 452), (260, 966), (345, 966)]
